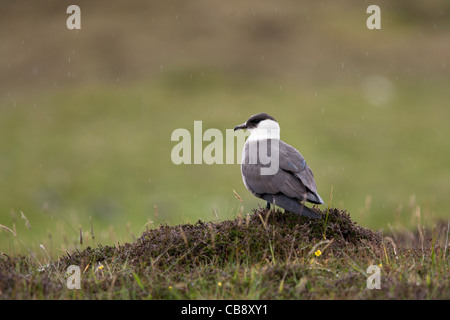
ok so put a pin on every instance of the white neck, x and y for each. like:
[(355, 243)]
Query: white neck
[(267, 129)]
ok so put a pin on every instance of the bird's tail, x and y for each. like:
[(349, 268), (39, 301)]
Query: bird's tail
[(291, 205), (308, 212), (314, 198)]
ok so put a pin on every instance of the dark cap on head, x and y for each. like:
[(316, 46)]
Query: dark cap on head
[(253, 121)]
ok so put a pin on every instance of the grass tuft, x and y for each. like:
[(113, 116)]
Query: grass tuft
[(272, 255)]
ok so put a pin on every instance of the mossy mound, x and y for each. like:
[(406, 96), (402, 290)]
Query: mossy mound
[(261, 236), (264, 255)]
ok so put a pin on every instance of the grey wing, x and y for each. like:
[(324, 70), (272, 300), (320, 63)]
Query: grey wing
[(292, 161), (283, 181)]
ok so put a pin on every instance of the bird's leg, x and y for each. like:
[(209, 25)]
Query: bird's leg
[(268, 205)]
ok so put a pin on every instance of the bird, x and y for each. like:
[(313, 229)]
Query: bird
[(291, 183)]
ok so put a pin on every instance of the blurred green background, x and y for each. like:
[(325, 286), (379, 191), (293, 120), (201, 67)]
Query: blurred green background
[(86, 116)]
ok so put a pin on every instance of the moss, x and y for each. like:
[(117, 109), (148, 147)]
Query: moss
[(266, 255), (250, 239)]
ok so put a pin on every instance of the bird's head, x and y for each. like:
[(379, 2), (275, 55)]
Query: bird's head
[(261, 125)]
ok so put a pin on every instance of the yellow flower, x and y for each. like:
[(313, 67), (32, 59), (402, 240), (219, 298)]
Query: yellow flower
[(318, 253), (100, 267), (380, 265), (170, 287), (219, 284)]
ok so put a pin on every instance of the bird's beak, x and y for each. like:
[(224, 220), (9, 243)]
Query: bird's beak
[(240, 127)]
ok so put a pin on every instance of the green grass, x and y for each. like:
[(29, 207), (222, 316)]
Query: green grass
[(86, 119), (264, 255), (100, 155)]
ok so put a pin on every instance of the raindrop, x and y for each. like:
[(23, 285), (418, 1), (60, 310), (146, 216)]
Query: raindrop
[(342, 64), (68, 74), (69, 59)]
